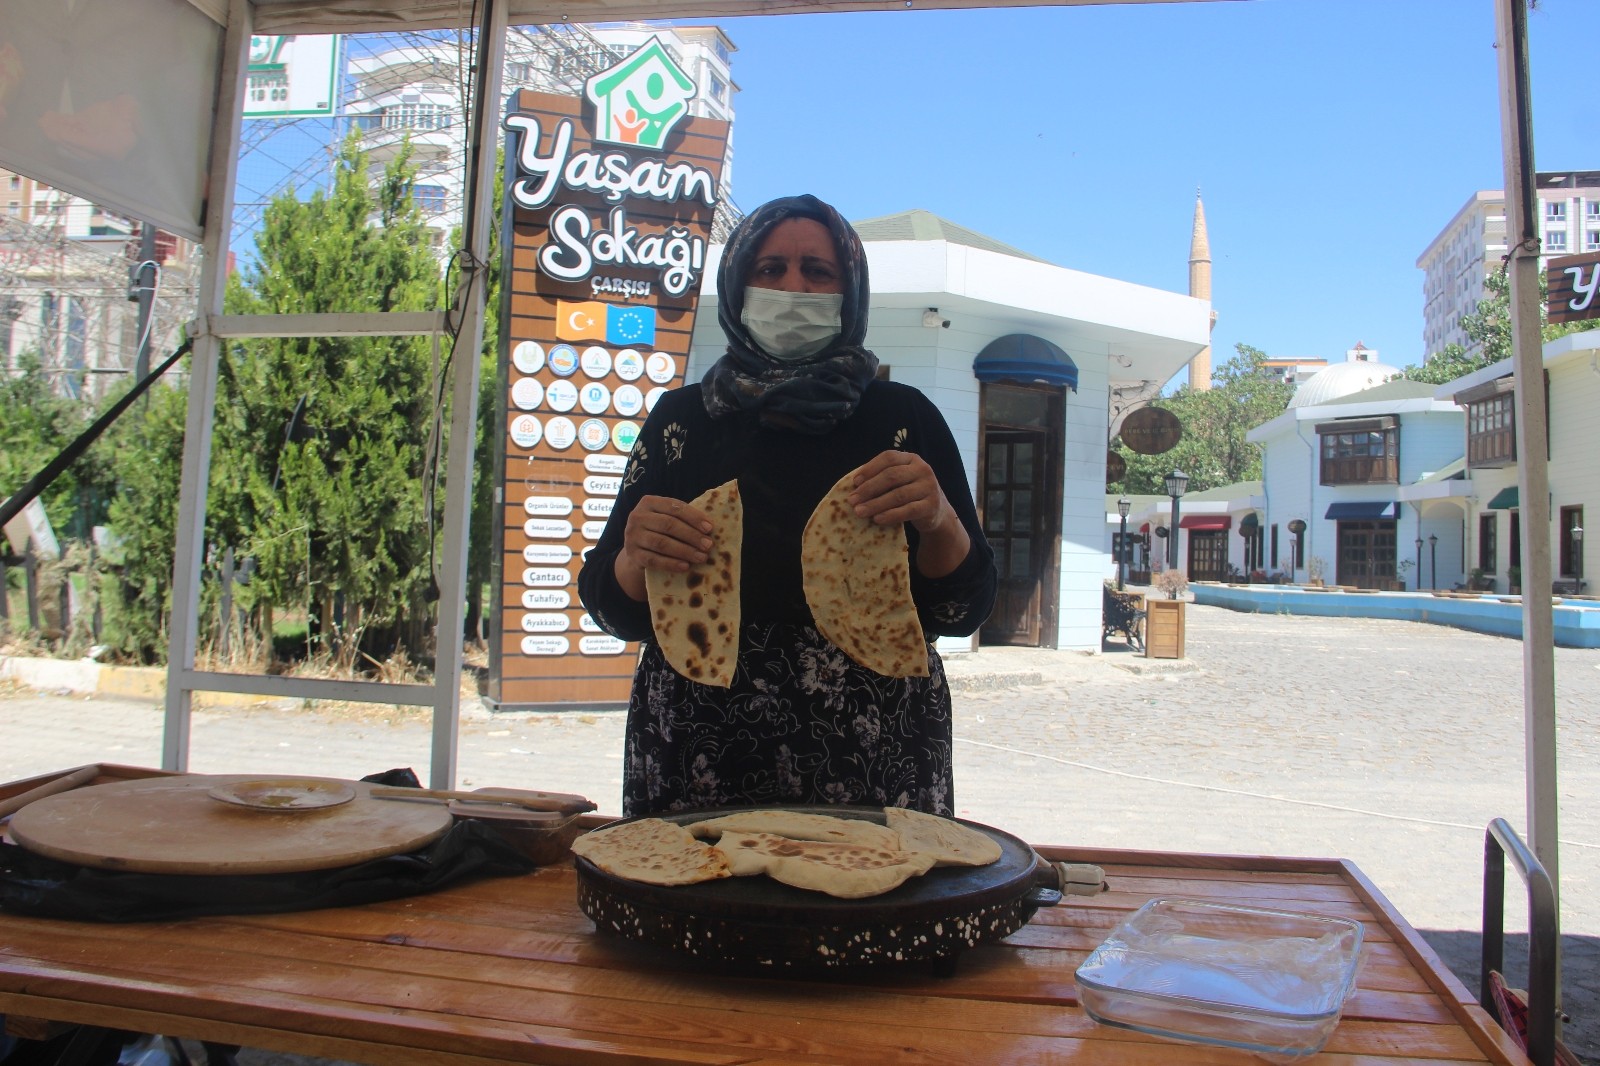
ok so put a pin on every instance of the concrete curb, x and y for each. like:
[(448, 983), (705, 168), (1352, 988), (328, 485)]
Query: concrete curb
[(85, 677)]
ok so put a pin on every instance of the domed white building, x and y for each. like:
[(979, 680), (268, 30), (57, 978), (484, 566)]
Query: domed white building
[(1360, 371)]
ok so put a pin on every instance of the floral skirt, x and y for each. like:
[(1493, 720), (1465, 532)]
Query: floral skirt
[(801, 724)]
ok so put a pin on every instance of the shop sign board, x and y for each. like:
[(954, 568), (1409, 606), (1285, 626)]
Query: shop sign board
[(609, 199)]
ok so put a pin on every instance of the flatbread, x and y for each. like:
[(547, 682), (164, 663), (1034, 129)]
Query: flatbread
[(652, 850), (695, 614), (798, 825), (847, 871), (944, 840), (857, 579)]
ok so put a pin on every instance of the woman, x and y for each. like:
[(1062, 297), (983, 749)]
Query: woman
[(791, 408)]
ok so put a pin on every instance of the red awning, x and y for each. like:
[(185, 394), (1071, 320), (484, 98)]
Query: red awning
[(1205, 521), (1145, 528)]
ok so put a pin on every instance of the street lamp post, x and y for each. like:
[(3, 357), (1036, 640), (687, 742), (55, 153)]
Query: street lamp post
[(1433, 561), (1124, 505), (1297, 527), (1177, 483), (1419, 565), (1577, 555)]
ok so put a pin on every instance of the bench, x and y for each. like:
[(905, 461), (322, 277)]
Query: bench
[(1567, 586), (1122, 612)]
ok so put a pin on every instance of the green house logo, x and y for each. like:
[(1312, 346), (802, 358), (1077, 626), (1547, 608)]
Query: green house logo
[(639, 100)]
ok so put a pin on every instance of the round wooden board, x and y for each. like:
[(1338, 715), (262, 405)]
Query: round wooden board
[(172, 825)]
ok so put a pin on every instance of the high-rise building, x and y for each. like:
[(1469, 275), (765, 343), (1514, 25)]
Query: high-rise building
[(414, 86), (1455, 263)]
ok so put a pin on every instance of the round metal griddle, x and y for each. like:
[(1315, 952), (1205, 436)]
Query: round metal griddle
[(760, 923)]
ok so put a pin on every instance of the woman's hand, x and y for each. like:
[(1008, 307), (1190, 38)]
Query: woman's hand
[(897, 486), (662, 534)]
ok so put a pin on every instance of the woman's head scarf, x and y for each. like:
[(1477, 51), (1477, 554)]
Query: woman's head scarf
[(811, 396)]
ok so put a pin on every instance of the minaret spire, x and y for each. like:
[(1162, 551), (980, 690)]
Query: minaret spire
[(1200, 289)]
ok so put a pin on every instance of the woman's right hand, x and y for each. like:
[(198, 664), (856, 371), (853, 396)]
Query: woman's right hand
[(662, 534)]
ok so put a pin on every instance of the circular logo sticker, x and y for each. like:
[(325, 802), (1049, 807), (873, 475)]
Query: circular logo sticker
[(560, 432), (528, 357), (561, 395), (652, 397), (630, 364), (563, 360), (595, 398), (628, 400), (593, 434), (526, 431), (596, 361), (660, 366), (527, 393), (623, 435)]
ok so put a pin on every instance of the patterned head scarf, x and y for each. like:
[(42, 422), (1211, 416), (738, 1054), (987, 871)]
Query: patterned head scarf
[(812, 396)]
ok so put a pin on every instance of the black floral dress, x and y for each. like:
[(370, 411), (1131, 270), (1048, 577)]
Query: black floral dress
[(801, 723)]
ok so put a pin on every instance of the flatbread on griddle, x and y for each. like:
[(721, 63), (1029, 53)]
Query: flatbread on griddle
[(798, 825), (652, 850), (847, 871), (695, 614), (857, 578), (944, 840)]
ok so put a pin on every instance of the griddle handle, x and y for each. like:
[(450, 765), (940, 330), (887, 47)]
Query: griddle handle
[(1042, 896)]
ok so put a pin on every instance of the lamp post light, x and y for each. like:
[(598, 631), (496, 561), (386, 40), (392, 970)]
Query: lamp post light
[(1124, 505), (1577, 555), (1433, 561), (1297, 527), (1177, 483), (1419, 564)]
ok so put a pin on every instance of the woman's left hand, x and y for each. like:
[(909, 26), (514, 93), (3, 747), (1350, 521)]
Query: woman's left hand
[(901, 487)]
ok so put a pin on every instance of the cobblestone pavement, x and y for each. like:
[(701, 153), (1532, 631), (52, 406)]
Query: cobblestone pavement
[(1388, 743)]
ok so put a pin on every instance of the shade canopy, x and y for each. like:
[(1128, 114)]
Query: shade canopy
[(1364, 509), (1507, 499), (1205, 522), (1024, 358)]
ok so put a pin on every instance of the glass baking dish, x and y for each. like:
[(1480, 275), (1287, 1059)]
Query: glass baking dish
[(1271, 982)]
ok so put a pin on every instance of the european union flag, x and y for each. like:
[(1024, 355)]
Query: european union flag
[(630, 325)]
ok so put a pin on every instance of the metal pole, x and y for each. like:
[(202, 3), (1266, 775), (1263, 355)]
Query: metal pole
[(1172, 538), (144, 280), (1419, 562), (1538, 628), (1122, 554), (1433, 561)]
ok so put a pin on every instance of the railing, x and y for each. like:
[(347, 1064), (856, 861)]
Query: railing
[(1499, 841)]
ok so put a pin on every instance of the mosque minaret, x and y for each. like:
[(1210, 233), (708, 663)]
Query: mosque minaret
[(1200, 289)]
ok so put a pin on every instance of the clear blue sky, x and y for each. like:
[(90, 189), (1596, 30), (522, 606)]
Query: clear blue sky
[(1331, 139)]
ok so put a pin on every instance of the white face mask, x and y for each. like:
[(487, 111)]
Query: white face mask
[(791, 326)]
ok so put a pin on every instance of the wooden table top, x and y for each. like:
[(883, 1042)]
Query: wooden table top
[(510, 970)]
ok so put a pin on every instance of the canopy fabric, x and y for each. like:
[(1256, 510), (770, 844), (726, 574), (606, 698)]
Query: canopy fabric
[(1363, 510), (1505, 500), (1022, 357), (1250, 521), (1145, 528), (1205, 522)]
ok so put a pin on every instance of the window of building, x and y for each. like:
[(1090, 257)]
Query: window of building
[(1555, 240), (1488, 524), (1591, 241), (1555, 211), (416, 117), (1274, 562), (1571, 561), (1360, 451), (430, 198), (719, 89), (16, 182), (1591, 210), (1491, 422)]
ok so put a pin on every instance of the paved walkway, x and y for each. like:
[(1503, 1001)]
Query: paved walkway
[(1389, 743)]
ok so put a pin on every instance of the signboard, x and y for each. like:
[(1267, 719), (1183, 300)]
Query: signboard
[(1571, 283), (291, 75), (1151, 431), (609, 200)]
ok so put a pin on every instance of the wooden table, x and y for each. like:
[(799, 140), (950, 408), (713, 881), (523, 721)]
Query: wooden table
[(509, 970)]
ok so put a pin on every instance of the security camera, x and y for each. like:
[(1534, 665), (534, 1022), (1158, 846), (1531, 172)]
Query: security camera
[(931, 319)]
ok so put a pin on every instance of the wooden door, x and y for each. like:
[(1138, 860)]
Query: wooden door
[(1367, 554), (1014, 519), (1208, 555)]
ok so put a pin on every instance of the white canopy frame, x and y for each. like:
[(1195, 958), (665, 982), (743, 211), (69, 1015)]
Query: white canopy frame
[(244, 17)]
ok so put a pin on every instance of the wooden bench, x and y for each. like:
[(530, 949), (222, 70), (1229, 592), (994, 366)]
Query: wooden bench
[(1567, 586), (1122, 612)]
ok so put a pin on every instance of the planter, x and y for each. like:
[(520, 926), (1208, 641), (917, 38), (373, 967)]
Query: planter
[(1164, 628)]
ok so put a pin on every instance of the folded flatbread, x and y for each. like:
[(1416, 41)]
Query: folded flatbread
[(848, 871), (798, 825), (695, 614), (652, 850), (945, 841), (857, 579)]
